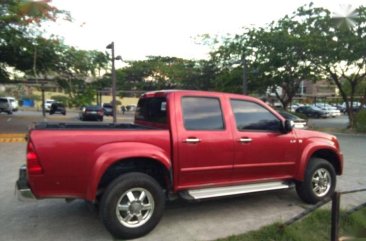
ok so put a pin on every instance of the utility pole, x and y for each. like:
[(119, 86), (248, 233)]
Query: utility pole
[(245, 74), (111, 46)]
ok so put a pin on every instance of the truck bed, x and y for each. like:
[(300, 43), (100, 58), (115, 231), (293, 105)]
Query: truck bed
[(71, 153)]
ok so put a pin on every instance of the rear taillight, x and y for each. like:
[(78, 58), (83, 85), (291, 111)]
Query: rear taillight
[(33, 165)]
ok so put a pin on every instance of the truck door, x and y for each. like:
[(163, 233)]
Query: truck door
[(262, 151), (205, 144)]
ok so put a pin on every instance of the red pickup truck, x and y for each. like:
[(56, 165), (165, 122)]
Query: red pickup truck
[(191, 144)]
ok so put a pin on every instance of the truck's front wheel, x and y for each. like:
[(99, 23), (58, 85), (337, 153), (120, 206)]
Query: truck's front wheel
[(132, 205), (319, 181)]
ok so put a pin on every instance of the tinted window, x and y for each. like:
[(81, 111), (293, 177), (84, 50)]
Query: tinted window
[(152, 110), (251, 116), (93, 108), (201, 113), (107, 106)]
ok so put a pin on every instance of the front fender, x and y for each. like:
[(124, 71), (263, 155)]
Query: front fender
[(308, 152), (108, 154)]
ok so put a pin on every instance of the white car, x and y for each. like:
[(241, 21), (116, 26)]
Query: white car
[(47, 104), (13, 103), (333, 111)]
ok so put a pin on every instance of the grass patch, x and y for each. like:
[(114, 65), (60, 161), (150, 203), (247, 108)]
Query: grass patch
[(315, 227)]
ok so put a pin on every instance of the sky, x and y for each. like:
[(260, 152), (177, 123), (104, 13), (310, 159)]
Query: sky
[(141, 28)]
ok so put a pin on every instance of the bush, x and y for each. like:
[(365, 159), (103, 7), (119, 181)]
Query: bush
[(361, 121), (61, 98)]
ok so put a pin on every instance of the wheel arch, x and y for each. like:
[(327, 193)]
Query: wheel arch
[(325, 152), (151, 167), (112, 160)]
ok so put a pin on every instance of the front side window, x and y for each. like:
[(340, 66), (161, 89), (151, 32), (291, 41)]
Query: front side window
[(202, 113), (252, 116)]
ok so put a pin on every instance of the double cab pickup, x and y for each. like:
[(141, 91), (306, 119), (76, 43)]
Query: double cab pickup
[(189, 144)]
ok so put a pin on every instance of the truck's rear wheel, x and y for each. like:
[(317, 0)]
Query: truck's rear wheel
[(319, 181), (132, 205)]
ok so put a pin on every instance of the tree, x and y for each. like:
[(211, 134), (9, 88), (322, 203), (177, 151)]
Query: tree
[(74, 68), (338, 49), (19, 21), (158, 72), (283, 58)]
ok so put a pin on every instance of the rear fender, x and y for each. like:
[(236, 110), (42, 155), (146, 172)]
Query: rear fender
[(108, 154)]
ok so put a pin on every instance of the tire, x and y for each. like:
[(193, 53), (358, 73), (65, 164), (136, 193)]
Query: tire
[(128, 213), (319, 181)]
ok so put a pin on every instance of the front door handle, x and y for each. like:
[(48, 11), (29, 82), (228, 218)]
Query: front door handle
[(245, 140), (192, 140)]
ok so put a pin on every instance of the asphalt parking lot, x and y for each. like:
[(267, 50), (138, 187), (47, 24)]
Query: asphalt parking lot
[(53, 219)]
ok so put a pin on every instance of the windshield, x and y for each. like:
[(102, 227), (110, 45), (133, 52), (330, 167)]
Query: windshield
[(107, 106)]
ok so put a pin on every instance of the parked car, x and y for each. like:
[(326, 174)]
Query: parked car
[(192, 144), (332, 110), (13, 103), (355, 107), (5, 105), (57, 108), (47, 104), (92, 112), (298, 122), (293, 107), (311, 111), (108, 109)]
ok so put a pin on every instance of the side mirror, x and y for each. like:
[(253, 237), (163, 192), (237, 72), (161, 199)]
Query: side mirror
[(287, 126)]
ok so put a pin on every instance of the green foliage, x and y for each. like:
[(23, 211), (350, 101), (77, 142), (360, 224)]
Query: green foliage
[(61, 98), (159, 72), (315, 227), (83, 97), (19, 21), (361, 121), (336, 48)]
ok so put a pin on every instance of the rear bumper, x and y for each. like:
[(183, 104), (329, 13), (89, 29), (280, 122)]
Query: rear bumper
[(22, 189)]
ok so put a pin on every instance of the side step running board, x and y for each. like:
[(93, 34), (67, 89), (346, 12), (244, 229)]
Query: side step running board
[(233, 190)]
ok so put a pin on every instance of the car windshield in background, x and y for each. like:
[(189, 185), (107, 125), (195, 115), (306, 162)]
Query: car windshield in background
[(93, 108), (107, 106), (152, 110)]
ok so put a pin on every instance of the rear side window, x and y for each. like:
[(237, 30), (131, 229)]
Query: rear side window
[(152, 110), (202, 113), (251, 116)]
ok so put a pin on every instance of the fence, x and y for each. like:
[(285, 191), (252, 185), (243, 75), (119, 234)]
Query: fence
[(335, 198)]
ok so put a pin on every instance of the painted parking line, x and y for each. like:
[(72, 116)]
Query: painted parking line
[(12, 137)]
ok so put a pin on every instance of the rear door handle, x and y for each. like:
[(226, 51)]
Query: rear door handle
[(245, 140), (192, 140)]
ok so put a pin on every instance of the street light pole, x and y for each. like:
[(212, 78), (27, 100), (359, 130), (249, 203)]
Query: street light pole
[(111, 46), (245, 74)]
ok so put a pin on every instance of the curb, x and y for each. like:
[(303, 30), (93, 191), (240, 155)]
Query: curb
[(12, 137)]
